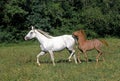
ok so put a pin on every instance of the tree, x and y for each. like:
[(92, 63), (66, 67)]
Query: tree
[(12, 19)]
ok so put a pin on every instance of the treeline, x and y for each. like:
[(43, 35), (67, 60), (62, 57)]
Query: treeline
[(99, 18)]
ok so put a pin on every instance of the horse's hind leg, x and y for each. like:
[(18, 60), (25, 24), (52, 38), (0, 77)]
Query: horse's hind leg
[(74, 56), (72, 53), (52, 57), (99, 54)]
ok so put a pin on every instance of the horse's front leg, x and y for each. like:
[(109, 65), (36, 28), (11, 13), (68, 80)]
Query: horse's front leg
[(85, 55), (78, 57), (52, 57), (41, 53)]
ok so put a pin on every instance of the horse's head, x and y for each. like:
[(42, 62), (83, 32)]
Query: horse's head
[(76, 33), (31, 34), (79, 33)]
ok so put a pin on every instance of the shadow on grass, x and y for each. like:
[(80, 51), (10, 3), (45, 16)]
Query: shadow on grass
[(59, 61), (62, 61), (67, 61), (91, 60)]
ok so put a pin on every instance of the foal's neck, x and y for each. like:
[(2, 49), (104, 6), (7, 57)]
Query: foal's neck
[(81, 40)]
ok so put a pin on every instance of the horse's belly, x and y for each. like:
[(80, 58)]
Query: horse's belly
[(58, 47), (53, 46)]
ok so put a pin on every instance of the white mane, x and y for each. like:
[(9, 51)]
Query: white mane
[(45, 34)]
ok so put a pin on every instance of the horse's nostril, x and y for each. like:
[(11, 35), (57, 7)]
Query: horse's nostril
[(26, 38)]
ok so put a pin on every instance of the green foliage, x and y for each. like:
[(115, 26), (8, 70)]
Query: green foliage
[(11, 8), (99, 18), (13, 18), (37, 16)]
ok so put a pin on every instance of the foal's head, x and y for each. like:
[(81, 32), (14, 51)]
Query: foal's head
[(79, 33)]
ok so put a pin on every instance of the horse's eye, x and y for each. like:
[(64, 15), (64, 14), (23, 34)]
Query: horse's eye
[(31, 32)]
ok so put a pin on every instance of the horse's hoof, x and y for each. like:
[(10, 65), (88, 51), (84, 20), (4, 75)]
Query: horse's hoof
[(38, 64), (53, 64), (69, 60), (79, 61), (97, 60)]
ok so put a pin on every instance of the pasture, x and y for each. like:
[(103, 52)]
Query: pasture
[(18, 63)]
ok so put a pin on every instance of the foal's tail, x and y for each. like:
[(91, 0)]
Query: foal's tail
[(104, 42)]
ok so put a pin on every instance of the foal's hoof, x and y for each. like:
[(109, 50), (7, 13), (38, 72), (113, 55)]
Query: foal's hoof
[(97, 60), (79, 62)]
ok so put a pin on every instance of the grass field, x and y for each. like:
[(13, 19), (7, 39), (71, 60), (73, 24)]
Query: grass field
[(18, 63)]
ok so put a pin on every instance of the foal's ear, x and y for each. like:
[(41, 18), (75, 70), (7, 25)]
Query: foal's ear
[(82, 31), (32, 27)]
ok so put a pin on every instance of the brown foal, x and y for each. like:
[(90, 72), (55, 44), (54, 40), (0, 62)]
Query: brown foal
[(85, 45)]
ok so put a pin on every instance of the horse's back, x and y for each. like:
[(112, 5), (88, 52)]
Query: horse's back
[(91, 44), (69, 40), (61, 42), (97, 43)]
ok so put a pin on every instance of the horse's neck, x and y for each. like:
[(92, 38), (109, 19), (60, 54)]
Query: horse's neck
[(81, 40), (41, 38)]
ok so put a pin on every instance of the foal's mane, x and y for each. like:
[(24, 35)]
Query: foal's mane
[(83, 32), (44, 33)]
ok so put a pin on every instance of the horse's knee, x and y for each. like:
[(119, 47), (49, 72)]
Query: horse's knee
[(41, 53), (73, 51)]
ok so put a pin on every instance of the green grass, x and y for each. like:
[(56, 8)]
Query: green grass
[(18, 63)]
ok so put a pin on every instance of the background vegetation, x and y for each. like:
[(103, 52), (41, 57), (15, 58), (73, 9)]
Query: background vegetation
[(99, 18)]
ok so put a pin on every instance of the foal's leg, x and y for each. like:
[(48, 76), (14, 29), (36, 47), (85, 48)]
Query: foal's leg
[(86, 57), (99, 54), (41, 53), (78, 57), (52, 57)]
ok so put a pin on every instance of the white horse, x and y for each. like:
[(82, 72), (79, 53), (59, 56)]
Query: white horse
[(49, 43)]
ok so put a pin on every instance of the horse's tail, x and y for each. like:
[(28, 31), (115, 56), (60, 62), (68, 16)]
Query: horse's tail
[(76, 40), (104, 42)]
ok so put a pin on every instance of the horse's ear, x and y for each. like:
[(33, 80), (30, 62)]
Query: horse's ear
[(32, 27), (82, 31)]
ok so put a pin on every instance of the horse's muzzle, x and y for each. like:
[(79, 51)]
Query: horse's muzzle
[(26, 38)]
